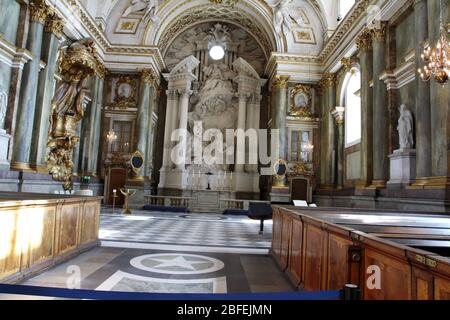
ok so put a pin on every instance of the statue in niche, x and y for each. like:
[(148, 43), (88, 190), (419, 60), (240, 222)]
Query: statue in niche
[(149, 8), (406, 128), (3, 106), (284, 15)]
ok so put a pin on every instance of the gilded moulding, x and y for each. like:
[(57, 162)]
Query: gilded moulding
[(77, 62)]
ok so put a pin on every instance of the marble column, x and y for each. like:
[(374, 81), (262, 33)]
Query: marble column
[(143, 115), (92, 127), (330, 83), (46, 88), (28, 91), (422, 110), (242, 114), (338, 115), (328, 123), (172, 103), (440, 102), (253, 123), (380, 123), (280, 88), (184, 108), (152, 111), (364, 43)]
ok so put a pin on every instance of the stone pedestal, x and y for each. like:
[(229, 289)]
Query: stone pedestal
[(4, 146), (403, 167)]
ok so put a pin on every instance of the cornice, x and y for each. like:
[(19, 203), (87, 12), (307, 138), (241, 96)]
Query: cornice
[(12, 56)]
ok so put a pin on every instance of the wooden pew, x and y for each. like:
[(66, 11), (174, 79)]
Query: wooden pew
[(320, 255)]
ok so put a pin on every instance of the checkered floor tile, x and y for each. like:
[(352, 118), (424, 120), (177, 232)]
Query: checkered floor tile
[(184, 229)]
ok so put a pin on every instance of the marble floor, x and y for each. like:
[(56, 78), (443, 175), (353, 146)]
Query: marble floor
[(184, 229), (171, 253)]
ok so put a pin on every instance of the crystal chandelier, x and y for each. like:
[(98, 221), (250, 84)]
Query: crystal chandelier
[(437, 60), (111, 136)]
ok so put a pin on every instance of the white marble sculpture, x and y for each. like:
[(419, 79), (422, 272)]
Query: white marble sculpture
[(3, 106), (149, 7), (284, 15), (228, 36), (406, 128), (214, 103)]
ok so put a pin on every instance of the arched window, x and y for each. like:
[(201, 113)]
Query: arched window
[(352, 104), (345, 6)]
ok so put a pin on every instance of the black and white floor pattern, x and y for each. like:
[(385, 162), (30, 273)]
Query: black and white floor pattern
[(184, 230)]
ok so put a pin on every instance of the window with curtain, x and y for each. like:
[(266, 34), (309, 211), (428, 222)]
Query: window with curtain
[(352, 103), (299, 142), (123, 131)]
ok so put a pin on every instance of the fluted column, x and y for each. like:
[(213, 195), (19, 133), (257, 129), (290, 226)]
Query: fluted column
[(364, 43), (423, 112), (46, 87), (172, 103), (184, 108), (380, 122), (28, 91), (242, 114), (338, 115)]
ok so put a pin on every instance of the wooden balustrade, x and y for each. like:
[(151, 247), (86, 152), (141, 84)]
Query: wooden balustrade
[(319, 255)]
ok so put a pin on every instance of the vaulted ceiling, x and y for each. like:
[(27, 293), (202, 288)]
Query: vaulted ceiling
[(173, 17)]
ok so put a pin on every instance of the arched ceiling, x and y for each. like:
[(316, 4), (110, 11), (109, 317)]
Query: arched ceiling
[(175, 16)]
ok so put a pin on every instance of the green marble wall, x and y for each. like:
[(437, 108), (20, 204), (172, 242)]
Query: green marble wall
[(8, 27), (5, 76), (407, 96), (404, 38)]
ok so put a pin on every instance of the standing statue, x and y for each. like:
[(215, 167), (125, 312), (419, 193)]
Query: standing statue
[(148, 6), (3, 106), (284, 15), (406, 128), (78, 61)]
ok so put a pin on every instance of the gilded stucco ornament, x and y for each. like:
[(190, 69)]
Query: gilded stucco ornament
[(300, 101), (78, 61)]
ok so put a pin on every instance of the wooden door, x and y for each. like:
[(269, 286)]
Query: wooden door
[(116, 178)]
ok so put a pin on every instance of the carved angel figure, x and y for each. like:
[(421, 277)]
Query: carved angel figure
[(148, 6), (284, 15), (406, 128)]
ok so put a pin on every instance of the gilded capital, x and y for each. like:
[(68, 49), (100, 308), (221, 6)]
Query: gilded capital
[(54, 23), (149, 76), (38, 11), (364, 40), (329, 80), (379, 32), (281, 82), (349, 63)]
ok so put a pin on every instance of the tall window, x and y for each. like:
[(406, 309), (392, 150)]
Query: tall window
[(299, 142), (352, 103), (345, 6), (123, 132)]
